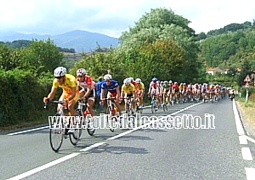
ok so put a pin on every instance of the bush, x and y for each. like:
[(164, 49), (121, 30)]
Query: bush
[(251, 91), (21, 97)]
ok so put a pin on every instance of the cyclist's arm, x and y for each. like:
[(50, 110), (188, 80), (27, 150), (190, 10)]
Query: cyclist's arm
[(73, 94), (118, 92), (102, 94), (89, 89), (52, 93)]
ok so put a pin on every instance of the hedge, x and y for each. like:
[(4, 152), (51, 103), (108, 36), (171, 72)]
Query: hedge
[(21, 97)]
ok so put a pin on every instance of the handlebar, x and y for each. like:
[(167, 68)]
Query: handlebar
[(54, 102)]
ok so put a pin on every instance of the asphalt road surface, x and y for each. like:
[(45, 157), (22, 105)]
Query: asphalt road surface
[(189, 141)]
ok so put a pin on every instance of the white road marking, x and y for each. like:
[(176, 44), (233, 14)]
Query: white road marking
[(239, 126), (243, 139), (45, 166), (26, 131), (250, 139), (246, 153), (70, 156), (250, 173)]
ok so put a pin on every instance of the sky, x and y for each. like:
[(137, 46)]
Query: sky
[(112, 17)]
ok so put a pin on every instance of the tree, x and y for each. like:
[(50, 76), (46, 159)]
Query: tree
[(41, 56), (245, 70), (9, 59), (161, 27)]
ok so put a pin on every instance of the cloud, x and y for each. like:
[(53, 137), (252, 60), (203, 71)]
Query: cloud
[(112, 17)]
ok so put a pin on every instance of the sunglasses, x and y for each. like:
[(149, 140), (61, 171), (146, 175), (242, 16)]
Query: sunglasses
[(59, 77)]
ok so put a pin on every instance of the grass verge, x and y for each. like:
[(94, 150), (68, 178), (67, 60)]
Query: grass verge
[(247, 110)]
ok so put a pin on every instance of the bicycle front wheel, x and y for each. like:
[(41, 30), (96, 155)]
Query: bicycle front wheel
[(152, 108), (56, 138)]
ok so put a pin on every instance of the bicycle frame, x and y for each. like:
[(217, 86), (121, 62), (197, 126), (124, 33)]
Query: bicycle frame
[(86, 118)]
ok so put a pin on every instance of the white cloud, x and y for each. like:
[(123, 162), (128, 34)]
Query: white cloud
[(115, 16)]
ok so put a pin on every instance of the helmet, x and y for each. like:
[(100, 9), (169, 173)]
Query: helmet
[(170, 82), (138, 80), (131, 79), (80, 72), (161, 82), (107, 77), (154, 79), (60, 72), (127, 81), (165, 82)]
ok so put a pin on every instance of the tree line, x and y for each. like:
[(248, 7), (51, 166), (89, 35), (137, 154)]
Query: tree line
[(19, 44)]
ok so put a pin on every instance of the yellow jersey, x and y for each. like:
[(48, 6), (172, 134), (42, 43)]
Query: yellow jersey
[(128, 89), (69, 83), (140, 86)]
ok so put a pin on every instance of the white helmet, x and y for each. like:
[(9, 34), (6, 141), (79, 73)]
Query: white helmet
[(80, 72), (107, 77), (127, 81), (138, 80), (131, 79), (60, 72)]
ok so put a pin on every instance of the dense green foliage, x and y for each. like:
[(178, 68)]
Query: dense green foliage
[(21, 97), (160, 44), (25, 77), (231, 48)]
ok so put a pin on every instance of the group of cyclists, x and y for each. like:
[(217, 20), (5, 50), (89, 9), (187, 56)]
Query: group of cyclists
[(168, 92), (82, 87)]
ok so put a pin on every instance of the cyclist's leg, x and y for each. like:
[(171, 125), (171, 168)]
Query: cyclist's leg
[(125, 101), (117, 103), (91, 102)]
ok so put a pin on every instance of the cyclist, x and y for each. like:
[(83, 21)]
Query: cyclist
[(113, 89), (175, 89), (139, 91), (166, 88), (154, 90), (87, 92), (70, 93), (128, 91)]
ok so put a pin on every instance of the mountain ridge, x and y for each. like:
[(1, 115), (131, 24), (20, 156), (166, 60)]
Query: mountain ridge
[(80, 40)]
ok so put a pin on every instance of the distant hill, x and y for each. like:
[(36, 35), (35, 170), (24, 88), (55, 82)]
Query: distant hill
[(81, 41)]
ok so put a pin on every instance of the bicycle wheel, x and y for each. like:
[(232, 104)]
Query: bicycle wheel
[(109, 119), (153, 107), (80, 121), (56, 135), (74, 136), (90, 130)]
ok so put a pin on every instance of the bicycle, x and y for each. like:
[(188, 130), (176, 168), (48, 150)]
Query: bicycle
[(139, 109), (60, 125), (130, 112), (164, 104), (111, 112), (86, 117), (153, 104)]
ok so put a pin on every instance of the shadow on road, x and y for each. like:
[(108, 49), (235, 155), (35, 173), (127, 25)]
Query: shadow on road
[(107, 148)]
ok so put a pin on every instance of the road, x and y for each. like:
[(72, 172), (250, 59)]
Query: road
[(218, 150)]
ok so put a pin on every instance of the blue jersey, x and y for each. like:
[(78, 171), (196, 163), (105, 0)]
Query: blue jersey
[(98, 87), (111, 87)]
